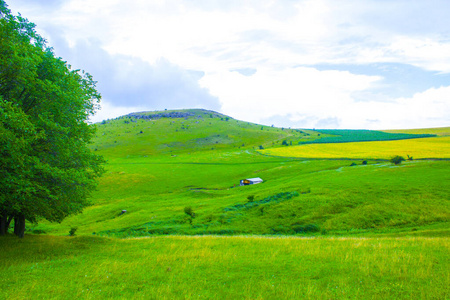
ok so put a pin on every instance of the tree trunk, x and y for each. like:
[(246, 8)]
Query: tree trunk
[(19, 225), (16, 225), (3, 221)]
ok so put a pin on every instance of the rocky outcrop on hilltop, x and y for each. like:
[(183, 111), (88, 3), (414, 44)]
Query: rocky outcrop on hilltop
[(175, 114), (198, 113)]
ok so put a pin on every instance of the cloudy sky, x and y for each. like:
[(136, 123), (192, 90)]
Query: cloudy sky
[(374, 64)]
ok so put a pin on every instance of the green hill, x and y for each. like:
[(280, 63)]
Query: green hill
[(178, 172)]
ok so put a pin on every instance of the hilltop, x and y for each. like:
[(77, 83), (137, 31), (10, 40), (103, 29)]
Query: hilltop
[(181, 131), (178, 172)]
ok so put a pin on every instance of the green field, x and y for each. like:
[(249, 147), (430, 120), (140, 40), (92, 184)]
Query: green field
[(44, 267), (158, 167), (348, 136), (315, 228)]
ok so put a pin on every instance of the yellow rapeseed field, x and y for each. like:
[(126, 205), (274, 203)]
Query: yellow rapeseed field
[(438, 147)]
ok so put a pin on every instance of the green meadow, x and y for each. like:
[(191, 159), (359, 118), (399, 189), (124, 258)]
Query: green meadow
[(169, 219), (180, 267)]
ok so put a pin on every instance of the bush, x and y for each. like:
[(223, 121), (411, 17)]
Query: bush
[(364, 162), (72, 231), (396, 160), (280, 229), (284, 143), (250, 198), (189, 211), (306, 228)]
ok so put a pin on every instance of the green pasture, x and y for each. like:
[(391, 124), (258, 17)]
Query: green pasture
[(347, 136), (314, 229), (156, 169), (177, 267)]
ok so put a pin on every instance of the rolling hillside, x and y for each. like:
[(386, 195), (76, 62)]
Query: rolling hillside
[(315, 228), (178, 172)]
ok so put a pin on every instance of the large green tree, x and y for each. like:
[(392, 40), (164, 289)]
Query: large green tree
[(47, 170)]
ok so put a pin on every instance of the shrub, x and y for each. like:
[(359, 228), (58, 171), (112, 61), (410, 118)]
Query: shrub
[(209, 218), (261, 147), (189, 211), (284, 143), (396, 160), (364, 162), (279, 229), (306, 228), (250, 198), (72, 231)]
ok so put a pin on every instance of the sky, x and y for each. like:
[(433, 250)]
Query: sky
[(348, 64)]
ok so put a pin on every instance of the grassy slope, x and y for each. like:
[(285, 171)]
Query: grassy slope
[(224, 268), (155, 174)]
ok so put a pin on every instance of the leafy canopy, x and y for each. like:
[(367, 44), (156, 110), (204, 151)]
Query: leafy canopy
[(47, 169)]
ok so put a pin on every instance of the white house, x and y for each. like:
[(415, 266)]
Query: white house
[(251, 181)]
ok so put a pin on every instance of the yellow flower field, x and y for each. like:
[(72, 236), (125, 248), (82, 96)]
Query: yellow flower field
[(438, 147)]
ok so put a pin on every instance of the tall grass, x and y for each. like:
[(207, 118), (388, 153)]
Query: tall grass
[(46, 267)]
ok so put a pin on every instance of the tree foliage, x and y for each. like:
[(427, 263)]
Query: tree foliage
[(396, 160), (47, 170)]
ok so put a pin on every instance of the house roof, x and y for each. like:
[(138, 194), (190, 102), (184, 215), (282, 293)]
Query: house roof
[(256, 179)]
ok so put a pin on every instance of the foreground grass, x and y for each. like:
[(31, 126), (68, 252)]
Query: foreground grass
[(49, 267), (417, 148)]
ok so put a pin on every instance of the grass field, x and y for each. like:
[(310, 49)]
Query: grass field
[(417, 148), (155, 176), (348, 136), (316, 228), (46, 267)]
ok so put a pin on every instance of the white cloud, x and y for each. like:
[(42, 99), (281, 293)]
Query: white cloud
[(424, 52), (110, 111), (272, 37), (299, 92), (430, 107)]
